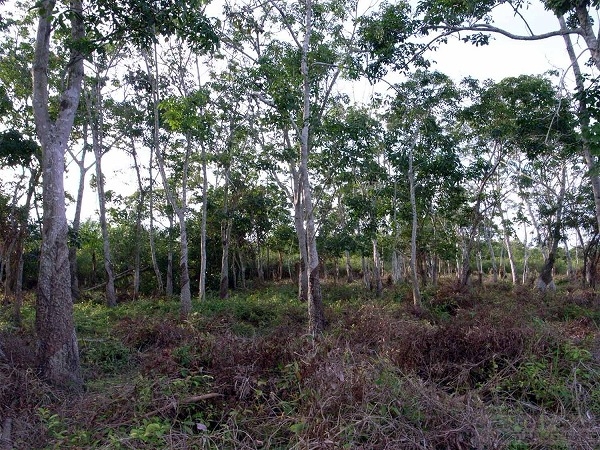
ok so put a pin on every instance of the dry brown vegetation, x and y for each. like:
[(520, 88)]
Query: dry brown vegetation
[(498, 368)]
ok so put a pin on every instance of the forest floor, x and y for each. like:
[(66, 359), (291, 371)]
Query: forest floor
[(498, 368)]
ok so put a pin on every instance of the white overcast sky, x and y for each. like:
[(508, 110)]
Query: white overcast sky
[(505, 57)]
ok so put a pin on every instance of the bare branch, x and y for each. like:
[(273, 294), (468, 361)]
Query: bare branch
[(486, 28)]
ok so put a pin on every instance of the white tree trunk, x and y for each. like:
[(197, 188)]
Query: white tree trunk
[(95, 118)]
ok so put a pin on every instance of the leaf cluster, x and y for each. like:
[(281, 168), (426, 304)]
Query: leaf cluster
[(16, 150), (141, 23), (384, 37)]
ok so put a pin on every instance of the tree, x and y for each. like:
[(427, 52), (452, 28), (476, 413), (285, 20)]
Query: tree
[(423, 149), (58, 354), (476, 17)]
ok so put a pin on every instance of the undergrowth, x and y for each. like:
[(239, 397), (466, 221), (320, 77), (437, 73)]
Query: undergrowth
[(495, 368)]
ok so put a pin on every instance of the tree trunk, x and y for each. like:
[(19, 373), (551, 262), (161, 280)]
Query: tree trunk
[(349, 276), (413, 239), (376, 271), (584, 120), (301, 235), (259, 265), (525, 256), (488, 238), (202, 281), (225, 237), (279, 265), (57, 350), (155, 143), (74, 244), (545, 281), (169, 285), (95, 118), (159, 282), (138, 224)]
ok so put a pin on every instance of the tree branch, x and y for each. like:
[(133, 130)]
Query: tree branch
[(486, 28)]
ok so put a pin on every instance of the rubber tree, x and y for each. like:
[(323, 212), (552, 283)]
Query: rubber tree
[(422, 150), (296, 69), (350, 156), (95, 111), (183, 114), (522, 119), (57, 349), (474, 20)]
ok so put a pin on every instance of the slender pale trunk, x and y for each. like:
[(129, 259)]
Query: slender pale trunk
[(184, 273), (488, 238), (349, 277), (159, 282), (525, 256), (77, 217), (396, 267), (169, 284), (301, 236), (155, 143), (95, 117), (202, 281), (377, 270), (138, 224), (509, 251), (57, 349), (178, 207), (279, 265), (259, 264), (225, 238), (545, 281), (413, 238)]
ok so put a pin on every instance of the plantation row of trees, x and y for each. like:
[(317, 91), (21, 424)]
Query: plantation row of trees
[(244, 148)]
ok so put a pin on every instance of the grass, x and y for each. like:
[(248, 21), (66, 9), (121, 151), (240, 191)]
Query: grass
[(497, 368)]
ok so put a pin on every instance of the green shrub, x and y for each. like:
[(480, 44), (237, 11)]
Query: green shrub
[(109, 356)]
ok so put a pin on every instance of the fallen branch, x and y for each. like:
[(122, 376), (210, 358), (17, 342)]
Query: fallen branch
[(117, 277)]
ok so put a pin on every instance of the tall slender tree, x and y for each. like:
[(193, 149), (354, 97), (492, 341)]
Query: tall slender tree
[(57, 349)]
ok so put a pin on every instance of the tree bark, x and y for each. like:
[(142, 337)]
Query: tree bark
[(169, 284), (377, 270), (413, 239), (95, 118), (545, 281), (349, 276), (202, 281), (316, 314), (584, 120), (57, 349), (74, 244), (138, 224)]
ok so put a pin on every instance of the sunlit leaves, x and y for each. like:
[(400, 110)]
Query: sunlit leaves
[(188, 114), (523, 112)]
